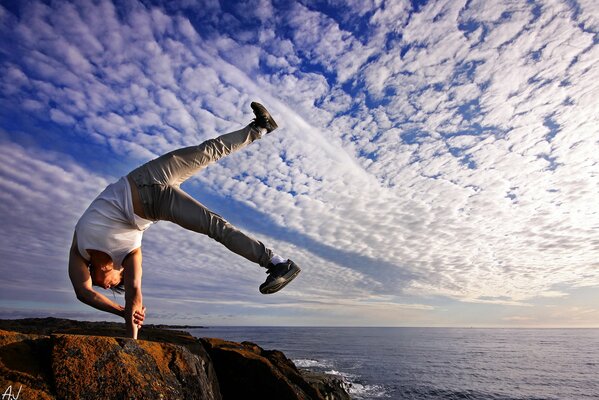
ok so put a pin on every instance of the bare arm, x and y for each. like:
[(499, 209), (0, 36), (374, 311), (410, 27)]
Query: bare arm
[(82, 283), (133, 296)]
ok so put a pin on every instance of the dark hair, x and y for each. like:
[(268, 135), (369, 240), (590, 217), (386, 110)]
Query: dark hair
[(118, 289)]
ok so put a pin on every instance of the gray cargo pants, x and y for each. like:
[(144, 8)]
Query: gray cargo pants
[(158, 184)]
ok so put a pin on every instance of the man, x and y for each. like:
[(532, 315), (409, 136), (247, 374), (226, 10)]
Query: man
[(106, 247)]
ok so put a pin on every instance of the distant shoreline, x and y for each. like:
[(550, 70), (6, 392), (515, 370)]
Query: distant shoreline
[(165, 326)]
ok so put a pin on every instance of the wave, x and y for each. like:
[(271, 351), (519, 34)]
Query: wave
[(356, 389), (312, 364), (351, 382)]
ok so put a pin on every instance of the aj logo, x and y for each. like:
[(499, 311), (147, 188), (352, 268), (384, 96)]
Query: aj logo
[(7, 395)]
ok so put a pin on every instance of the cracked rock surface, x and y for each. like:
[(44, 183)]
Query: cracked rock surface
[(52, 358)]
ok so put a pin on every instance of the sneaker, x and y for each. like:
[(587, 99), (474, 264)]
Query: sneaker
[(279, 276), (263, 118)]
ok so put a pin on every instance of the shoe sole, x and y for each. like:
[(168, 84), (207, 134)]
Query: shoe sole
[(259, 108), (286, 280)]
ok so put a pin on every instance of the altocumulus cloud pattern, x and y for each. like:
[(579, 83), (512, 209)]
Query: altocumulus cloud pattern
[(435, 158)]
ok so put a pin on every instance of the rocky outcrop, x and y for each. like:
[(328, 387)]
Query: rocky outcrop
[(245, 370), (328, 386), (25, 366), (66, 366), (126, 368), (53, 358)]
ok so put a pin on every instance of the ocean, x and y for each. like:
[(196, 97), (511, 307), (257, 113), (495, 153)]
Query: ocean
[(440, 363)]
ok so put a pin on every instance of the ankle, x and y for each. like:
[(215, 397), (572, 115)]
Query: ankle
[(277, 259)]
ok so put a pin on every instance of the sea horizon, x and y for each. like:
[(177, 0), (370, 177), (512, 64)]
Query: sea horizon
[(384, 327), (199, 324), (434, 363)]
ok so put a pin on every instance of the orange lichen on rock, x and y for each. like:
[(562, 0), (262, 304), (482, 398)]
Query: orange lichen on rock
[(52, 358), (24, 365), (68, 366), (125, 368)]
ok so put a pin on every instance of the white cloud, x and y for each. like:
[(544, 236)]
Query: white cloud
[(446, 152), (323, 41), (42, 197), (588, 14)]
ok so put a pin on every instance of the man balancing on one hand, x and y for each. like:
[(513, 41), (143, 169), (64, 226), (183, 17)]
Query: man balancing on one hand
[(106, 248)]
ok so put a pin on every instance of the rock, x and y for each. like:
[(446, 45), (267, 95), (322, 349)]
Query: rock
[(51, 358), (330, 387), (47, 326), (246, 371), (172, 365), (25, 365), (87, 367)]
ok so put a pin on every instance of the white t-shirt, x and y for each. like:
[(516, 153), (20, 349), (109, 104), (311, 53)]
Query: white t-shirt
[(110, 225)]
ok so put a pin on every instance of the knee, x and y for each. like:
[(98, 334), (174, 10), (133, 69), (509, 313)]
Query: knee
[(214, 149), (208, 147), (220, 229)]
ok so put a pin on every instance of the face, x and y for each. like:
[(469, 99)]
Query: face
[(103, 272), (107, 278)]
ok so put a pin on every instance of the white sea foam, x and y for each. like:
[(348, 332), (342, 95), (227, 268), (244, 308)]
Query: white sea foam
[(312, 364), (350, 382), (344, 375), (356, 389)]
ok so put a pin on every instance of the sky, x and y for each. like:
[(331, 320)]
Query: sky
[(436, 164)]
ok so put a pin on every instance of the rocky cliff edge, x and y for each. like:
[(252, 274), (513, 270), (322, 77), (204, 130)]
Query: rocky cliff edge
[(51, 358)]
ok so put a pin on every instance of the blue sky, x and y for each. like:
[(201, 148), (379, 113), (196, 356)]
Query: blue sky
[(437, 162)]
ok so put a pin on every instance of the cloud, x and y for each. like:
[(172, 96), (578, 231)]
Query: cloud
[(518, 318), (443, 150), (43, 194)]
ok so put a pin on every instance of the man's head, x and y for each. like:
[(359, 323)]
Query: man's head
[(103, 274)]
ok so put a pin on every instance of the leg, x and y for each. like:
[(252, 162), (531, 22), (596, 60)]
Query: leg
[(158, 184), (177, 166), (177, 206)]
